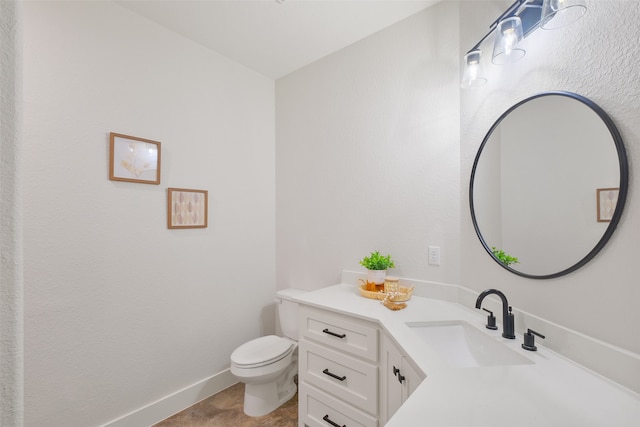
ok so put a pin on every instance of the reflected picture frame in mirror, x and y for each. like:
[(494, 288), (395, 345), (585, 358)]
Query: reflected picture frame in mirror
[(514, 188)]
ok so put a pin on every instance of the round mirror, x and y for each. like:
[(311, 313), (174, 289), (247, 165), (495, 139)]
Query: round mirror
[(548, 185)]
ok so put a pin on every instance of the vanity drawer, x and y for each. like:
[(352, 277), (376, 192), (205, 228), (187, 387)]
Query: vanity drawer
[(350, 335), (352, 380), (318, 409)]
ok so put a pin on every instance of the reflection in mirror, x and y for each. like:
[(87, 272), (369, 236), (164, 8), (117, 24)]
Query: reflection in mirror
[(534, 182)]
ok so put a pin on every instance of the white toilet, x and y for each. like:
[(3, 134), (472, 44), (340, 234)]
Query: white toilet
[(267, 365)]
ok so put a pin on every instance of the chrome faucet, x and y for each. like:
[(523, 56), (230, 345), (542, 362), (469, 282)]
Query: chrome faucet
[(508, 328)]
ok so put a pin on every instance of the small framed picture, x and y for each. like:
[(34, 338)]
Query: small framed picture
[(134, 159), (187, 208), (607, 199)]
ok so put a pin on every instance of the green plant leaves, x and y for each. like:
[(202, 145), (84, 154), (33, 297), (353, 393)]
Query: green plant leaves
[(376, 261), (504, 258)]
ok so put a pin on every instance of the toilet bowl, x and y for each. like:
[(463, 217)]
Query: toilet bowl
[(267, 365)]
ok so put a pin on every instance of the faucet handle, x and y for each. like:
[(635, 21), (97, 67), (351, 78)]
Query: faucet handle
[(491, 320), (529, 340)]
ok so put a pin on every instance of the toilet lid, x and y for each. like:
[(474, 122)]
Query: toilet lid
[(261, 351)]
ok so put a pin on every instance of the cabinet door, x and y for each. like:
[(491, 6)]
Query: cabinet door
[(412, 378), (390, 386), (398, 380)]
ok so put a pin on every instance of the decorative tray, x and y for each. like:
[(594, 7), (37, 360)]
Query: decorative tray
[(404, 294)]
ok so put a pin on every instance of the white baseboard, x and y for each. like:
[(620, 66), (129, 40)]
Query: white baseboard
[(614, 363), (169, 405)]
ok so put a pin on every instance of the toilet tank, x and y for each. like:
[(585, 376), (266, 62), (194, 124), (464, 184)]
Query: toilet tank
[(288, 312)]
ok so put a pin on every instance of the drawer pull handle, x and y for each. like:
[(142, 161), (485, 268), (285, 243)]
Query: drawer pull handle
[(326, 331), (326, 418), (332, 375), (396, 371)]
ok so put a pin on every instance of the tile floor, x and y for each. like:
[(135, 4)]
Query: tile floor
[(225, 410)]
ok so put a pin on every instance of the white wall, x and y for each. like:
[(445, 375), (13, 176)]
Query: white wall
[(592, 57), (119, 310), (11, 259), (368, 155)]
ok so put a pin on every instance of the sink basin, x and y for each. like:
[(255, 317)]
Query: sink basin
[(461, 345)]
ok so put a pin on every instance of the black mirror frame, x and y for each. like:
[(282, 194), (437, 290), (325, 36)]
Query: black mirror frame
[(622, 195)]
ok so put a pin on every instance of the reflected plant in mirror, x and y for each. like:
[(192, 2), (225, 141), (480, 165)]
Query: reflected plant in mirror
[(503, 257), (533, 181)]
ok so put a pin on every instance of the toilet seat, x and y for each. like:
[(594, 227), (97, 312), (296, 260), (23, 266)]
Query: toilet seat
[(262, 351)]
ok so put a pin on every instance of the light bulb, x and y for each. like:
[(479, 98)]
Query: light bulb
[(509, 40), (473, 75), (508, 44)]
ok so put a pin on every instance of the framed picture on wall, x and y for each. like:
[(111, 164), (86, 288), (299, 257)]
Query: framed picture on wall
[(187, 208), (606, 199), (133, 159)]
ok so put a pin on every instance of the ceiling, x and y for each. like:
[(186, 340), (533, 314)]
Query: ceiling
[(273, 37)]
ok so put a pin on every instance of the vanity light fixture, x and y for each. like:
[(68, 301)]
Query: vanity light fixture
[(511, 28)]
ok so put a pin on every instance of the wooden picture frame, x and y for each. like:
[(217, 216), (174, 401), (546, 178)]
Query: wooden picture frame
[(134, 159), (606, 200), (187, 208)]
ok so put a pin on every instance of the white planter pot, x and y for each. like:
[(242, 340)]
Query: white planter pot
[(376, 276)]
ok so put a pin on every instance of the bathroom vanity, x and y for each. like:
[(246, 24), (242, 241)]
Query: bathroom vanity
[(361, 364), (350, 370)]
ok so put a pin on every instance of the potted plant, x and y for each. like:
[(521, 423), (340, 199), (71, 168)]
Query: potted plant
[(377, 266)]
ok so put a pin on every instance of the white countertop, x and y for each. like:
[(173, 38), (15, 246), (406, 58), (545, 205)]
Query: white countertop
[(551, 391)]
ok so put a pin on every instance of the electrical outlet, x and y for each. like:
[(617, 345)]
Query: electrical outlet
[(434, 255)]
